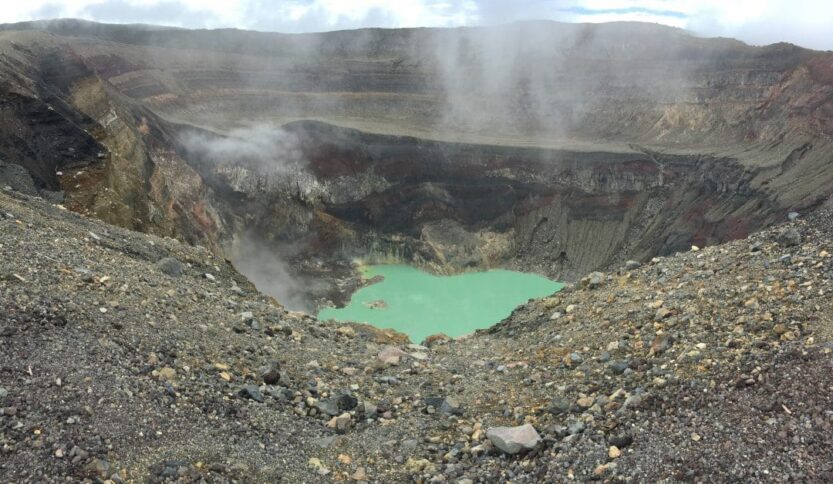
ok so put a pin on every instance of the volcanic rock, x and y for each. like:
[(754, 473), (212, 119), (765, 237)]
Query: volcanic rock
[(513, 440)]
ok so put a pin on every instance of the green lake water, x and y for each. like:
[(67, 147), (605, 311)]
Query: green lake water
[(420, 304)]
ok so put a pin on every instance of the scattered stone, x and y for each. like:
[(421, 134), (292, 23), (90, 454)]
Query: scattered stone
[(341, 423), (789, 238), (170, 266), (273, 375), (575, 427), (513, 440), (252, 392), (559, 406), (167, 374), (315, 464), (390, 355), (661, 343), (416, 466), (593, 280), (613, 452), (345, 402), (97, 468), (633, 401), (632, 264), (447, 405), (620, 441), (436, 339), (618, 367), (359, 475), (327, 406), (662, 313)]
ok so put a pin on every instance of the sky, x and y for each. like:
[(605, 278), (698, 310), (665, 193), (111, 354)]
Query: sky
[(803, 22)]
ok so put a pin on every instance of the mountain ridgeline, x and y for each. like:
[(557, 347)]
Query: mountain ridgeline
[(558, 148)]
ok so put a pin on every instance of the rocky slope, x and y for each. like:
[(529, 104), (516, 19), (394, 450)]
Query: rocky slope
[(515, 146), (135, 358)]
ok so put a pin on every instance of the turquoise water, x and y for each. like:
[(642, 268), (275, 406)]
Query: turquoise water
[(420, 304)]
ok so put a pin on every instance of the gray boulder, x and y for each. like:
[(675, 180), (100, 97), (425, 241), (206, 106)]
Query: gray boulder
[(593, 280), (789, 238), (170, 266), (513, 440)]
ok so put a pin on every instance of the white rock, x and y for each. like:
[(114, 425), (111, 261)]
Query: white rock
[(512, 440), (390, 355)]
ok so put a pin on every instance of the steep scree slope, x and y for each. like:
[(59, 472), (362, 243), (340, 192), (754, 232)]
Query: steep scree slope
[(137, 358)]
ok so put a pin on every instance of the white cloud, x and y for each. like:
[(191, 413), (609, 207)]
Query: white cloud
[(805, 22)]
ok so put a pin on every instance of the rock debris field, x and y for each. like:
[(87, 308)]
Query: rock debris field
[(125, 357)]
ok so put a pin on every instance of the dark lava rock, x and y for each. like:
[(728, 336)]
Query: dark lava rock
[(346, 402), (273, 376), (252, 392), (621, 441), (170, 266)]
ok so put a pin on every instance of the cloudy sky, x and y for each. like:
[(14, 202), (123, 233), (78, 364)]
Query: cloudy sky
[(804, 22)]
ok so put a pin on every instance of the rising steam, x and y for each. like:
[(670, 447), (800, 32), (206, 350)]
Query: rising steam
[(269, 151), (260, 263), (270, 148)]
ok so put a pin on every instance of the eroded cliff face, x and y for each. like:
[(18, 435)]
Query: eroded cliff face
[(107, 156), (455, 206), (451, 149)]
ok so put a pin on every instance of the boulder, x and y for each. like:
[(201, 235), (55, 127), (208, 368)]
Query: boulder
[(513, 440), (593, 280), (789, 238), (390, 355), (170, 266)]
